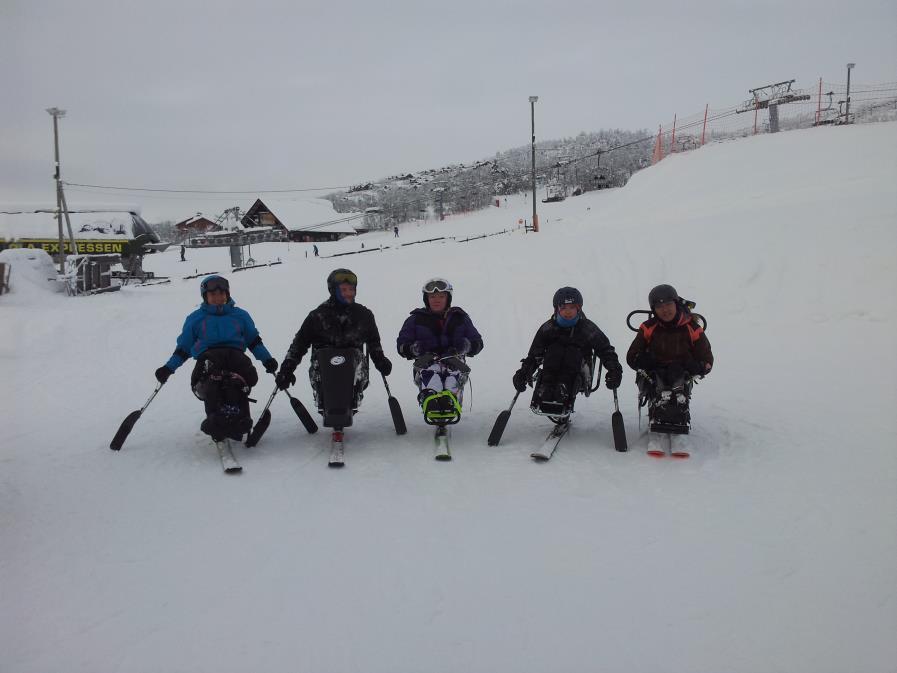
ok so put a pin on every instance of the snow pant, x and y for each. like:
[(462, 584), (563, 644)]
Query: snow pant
[(222, 379), (438, 377)]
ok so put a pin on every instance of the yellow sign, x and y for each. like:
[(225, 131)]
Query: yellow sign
[(85, 246)]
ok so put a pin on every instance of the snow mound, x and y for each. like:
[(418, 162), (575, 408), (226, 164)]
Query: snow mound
[(32, 270)]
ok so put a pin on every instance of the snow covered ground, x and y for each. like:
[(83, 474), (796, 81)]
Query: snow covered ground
[(773, 548)]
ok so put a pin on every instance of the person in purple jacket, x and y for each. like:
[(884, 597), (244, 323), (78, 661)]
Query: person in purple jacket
[(439, 337)]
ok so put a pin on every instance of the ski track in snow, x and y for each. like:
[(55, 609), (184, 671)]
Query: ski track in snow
[(772, 548)]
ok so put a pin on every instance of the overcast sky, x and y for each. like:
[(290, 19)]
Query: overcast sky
[(276, 95)]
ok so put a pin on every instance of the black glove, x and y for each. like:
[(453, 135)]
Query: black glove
[(285, 377), (270, 365), (382, 363), (614, 377), (162, 374), (416, 349), (521, 378), (425, 360), (695, 368), (644, 360)]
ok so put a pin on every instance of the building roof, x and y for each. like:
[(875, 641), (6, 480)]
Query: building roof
[(303, 214)]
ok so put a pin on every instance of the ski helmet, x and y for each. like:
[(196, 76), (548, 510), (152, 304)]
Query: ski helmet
[(437, 285), (567, 295), (211, 283), (336, 278), (662, 294)]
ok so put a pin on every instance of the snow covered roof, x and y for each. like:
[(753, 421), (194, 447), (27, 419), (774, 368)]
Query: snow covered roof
[(304, 213), (43, 224)]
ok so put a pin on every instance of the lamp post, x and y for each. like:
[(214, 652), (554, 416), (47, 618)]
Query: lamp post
[(56, 113), (532, 109), (850, 67)]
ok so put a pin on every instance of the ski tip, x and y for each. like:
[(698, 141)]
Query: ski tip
[(656, 454), (680, 455), (443, 458), (538, 458), (233, 470), (335, 465)]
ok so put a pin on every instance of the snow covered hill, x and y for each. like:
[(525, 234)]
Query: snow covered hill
[(772, 549)]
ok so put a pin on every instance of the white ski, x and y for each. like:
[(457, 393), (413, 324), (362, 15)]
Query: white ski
[(550, 445), (679, 446), (336, 450), (658, 444), (226, 453), (442, 443)]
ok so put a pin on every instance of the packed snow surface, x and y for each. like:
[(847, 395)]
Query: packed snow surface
[(773, 548)]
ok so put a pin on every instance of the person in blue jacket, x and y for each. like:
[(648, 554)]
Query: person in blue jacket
[(216, 335)]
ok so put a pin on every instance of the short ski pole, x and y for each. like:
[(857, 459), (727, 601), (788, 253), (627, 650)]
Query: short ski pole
[(262, 423), (398, 419), (307, 421), (501, 422), (128, 424), (616, 421)]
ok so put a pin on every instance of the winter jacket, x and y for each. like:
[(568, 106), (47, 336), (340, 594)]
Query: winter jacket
[(681, 341), (585, 335), (225, 326), (337, 325), (438, 333)]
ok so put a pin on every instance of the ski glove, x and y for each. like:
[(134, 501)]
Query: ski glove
[(521, 378), (425, 360), (416, 348), (285, 377), (162, 374), (382, 363), (614, 377), (270, 365)]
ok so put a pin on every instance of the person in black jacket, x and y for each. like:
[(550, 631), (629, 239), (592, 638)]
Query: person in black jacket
[(564, 346), (340, 322)]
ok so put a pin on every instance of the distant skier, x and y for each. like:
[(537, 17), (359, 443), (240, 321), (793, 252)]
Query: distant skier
[(217, 334), (669, 351), (183, 250), (564, 347), (438, 337), (395, 231), (337, 332), (315, 248)]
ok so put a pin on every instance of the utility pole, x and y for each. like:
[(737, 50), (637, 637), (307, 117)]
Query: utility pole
[(850, 66), (532, 107), (61, 205)]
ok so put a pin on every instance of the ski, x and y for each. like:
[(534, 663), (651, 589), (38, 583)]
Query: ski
[(442, 443), (228, 462), (336, 450), (679, 447), (550, 445), (658, 444)]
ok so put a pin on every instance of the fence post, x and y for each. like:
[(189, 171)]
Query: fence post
[(819, 103), (673, 137)]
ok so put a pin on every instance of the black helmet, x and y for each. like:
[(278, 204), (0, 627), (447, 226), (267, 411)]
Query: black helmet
[(336, 278), (437, 285), (662, 294), (567, 295), (214, 283)]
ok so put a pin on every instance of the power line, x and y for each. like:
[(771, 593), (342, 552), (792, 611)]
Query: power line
[(209, 191)]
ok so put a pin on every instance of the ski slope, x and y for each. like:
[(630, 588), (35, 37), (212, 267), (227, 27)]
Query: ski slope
[(773, 548)]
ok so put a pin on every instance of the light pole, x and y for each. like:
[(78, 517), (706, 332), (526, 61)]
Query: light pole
[(850, 67), (532, 109), (56, 113)]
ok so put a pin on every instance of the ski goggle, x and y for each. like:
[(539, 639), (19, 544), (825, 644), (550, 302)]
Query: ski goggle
[(216, 284), (345, 277), (437, 285)]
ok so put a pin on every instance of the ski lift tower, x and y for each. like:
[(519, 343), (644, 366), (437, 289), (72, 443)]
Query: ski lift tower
[(770, 97)]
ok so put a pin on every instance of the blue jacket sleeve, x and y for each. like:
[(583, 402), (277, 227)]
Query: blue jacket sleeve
[(184, 344), (254, 339), (470, 332)]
